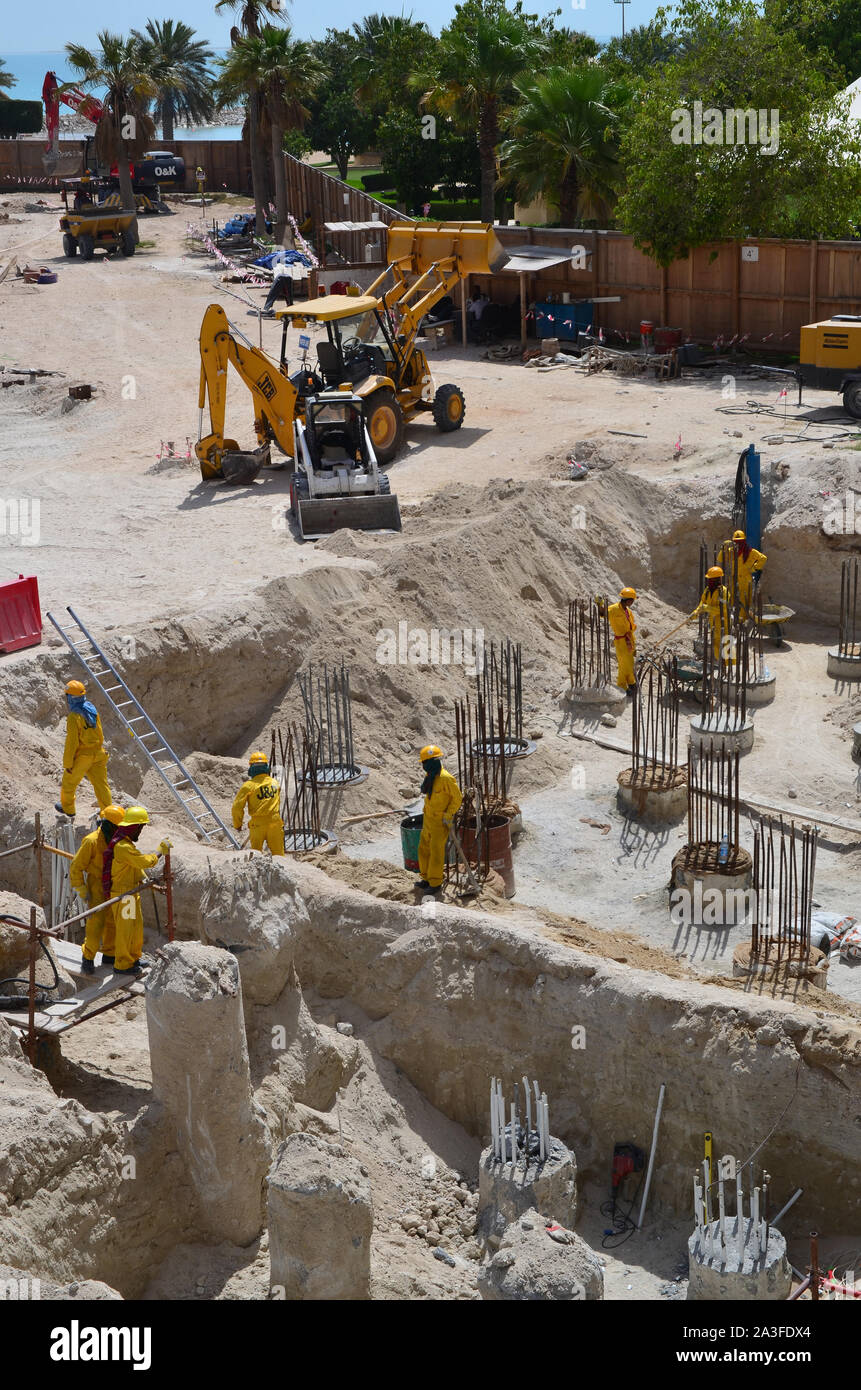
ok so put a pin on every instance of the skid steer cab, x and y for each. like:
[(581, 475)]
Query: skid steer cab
[(337, 482)]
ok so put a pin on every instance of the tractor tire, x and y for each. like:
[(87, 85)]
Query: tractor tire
[(449, 408), (127, 241), (70, 246), (385, 422), (852, 399), (86, 246), (385, 485)]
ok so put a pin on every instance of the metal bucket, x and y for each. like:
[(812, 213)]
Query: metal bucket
[(499, 828), (411, 830)]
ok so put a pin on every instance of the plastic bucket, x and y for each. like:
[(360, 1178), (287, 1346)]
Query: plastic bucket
[(499, 828), (667, 338), (646, 328), (411, 829)]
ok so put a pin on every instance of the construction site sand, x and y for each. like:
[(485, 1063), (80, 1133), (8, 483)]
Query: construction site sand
[(491, 540)]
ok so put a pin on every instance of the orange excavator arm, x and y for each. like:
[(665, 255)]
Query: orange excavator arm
[(273, 394)]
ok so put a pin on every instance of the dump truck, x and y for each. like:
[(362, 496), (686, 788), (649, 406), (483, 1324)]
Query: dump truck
[(370, 347), (830, 358), (337, 481), (88, 225), (371, 339)]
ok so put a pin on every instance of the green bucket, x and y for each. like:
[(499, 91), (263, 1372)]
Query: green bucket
[(411, 829)]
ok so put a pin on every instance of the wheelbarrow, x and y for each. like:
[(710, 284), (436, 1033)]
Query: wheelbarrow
[(774, 615)]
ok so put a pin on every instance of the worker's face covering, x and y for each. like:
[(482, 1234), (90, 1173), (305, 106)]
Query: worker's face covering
[(79, 705), (433, 767)]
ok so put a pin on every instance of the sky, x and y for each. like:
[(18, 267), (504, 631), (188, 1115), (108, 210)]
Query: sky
[(59, 23)]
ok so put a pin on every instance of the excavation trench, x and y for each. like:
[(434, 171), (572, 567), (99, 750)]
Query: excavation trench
[(452, 1000)]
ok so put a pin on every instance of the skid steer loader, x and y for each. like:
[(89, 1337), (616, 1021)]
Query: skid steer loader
[(337, 481)]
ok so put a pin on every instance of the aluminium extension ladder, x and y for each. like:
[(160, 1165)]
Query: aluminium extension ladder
[(98, 666)]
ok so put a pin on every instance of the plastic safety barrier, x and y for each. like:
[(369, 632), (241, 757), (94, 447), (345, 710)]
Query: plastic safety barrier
[(20, 614)]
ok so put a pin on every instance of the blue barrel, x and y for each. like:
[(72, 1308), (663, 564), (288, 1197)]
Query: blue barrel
[(411, 829)]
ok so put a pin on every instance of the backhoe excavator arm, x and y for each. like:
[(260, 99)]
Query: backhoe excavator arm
[(273, 394)]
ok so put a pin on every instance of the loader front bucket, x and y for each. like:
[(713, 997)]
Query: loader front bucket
[(324, 515), (474, 244)]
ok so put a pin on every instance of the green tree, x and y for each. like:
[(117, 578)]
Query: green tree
[(252, 14), (285, 71), (388, 49), (178, 65), (118, 66), (569, 48), (564, 142), (6, 80), (686, 187), (413, 163), (481, 54), (830, 30), (341, 128), (642, 50)]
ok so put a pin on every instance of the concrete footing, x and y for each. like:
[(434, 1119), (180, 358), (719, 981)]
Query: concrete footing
[(533, 1266), (715, 894), (706, 730), (506, 1190), (737, 1269), (762, 690), (846, 667), (658, 800), (320, 1222), (200, 1074), (814, 969)]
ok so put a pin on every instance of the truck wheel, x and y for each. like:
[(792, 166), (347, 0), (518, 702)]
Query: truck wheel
[(385, 425), (127, 241), (448, 408), (299, 492), (852, 398), (86, 246), (70, 246)]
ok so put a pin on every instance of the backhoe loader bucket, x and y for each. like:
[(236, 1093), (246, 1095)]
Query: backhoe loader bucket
[(322, 516), (474, 244)]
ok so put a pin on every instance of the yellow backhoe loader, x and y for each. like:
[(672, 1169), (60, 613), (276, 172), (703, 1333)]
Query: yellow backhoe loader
[(370, 346), (371, 340)]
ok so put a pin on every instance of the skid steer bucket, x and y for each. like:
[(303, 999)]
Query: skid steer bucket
[(474, 244), (323, 516)]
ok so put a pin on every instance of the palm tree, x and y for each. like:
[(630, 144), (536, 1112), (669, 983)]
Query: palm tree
[(177, 63), (251, 13), (6, 79), (564, 143), (286, 72), (125, 131), (389, 47), (480, 55)]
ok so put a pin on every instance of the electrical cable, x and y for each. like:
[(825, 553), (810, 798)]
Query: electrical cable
[(22, 1001), (623, 1226)]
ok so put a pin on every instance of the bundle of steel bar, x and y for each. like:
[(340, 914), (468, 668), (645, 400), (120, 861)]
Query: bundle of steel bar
[(589, 644), (481, 750), (847, 644), (782, 891), (713, 804), (499, 681), (655, 720), (723, 1233), (472, 828), (329, 723), (292, 762), (725, 680), (514, 1140)]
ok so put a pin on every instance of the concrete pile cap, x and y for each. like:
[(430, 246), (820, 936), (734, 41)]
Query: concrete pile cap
[(192, 969), (306, 1164)]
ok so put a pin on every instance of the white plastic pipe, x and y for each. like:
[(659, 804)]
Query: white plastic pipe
[(698, 1203), (708, 1190), (513, 1135), (652, 1155), (494, 1135), (528, 1108)]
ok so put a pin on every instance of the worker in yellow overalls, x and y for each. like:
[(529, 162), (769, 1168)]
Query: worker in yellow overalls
[(262, 795), (714, 602), (443, 800), (85, 754), (123, 870), (85, 875), (623, 626), (743, 565)]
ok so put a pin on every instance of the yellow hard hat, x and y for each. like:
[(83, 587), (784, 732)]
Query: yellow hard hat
[(136, 815), (738, 536), (76, 688), (714, 572), (115, 814), (627, 592), (258, 758), (430, 751)]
